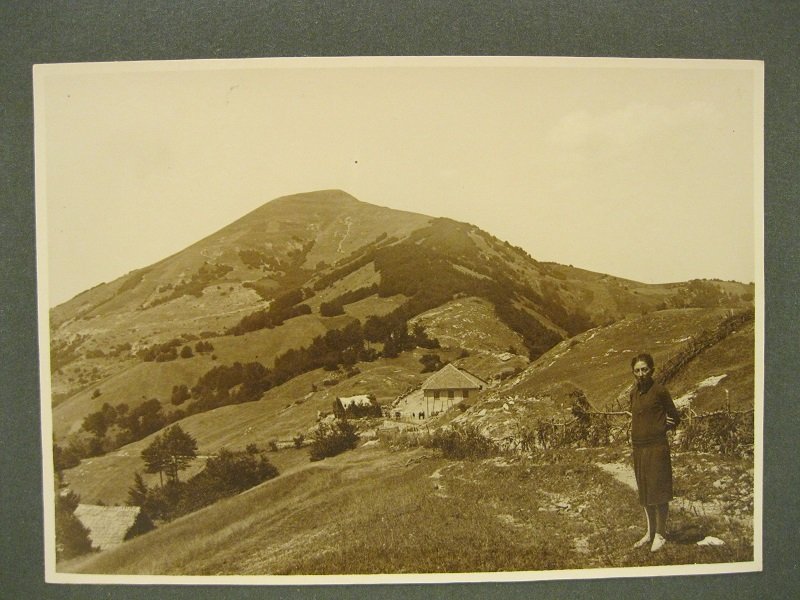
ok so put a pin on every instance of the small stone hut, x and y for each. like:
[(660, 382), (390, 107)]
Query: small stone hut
[(360, 400), (361, 405)]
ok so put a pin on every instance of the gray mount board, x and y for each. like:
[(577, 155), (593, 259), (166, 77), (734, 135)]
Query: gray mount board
[(94, 31)]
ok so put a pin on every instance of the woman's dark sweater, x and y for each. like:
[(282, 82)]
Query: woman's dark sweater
[(649, 411)]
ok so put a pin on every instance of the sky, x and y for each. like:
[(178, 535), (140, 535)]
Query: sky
[(644, 169)]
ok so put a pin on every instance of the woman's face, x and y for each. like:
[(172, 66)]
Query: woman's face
[(641, 371)]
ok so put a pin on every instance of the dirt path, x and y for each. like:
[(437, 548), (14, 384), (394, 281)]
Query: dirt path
[(348, 221), (620, 472), (624, 473)]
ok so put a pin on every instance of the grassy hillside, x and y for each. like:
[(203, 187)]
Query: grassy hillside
[(284, 412), (144, 380), (732, 363), (598, 361), (377, 511), (470, 323)]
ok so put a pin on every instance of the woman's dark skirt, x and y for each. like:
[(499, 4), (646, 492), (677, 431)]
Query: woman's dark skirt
[(653, 469)]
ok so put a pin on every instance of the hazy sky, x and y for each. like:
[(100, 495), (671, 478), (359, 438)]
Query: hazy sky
[(643, 169)]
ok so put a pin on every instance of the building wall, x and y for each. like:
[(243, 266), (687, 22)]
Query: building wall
[(458, 396)]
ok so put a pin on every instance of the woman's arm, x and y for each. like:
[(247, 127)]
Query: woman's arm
[(673, 416)]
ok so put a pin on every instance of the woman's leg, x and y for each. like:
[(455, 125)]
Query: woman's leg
[(650, 515), (661, 512)]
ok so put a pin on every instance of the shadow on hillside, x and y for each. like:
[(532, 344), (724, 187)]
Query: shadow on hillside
[(686, 534)]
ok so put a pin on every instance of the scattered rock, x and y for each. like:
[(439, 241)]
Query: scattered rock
[(581, 545), (710, 541)]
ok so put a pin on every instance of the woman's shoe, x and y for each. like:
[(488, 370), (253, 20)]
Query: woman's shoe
[(645, 540), (658, 543)]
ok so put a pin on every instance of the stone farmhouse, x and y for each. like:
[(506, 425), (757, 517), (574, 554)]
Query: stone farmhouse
[(449, 386)]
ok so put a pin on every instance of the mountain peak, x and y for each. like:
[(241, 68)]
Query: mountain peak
[(317, 196)]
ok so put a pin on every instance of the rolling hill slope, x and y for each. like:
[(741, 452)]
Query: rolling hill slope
[(373, 511), (596, 362)]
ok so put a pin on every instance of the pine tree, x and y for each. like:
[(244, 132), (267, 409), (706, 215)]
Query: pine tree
[(137, 493), (170, 453), (179, 449), (72, 538), (154, 458)]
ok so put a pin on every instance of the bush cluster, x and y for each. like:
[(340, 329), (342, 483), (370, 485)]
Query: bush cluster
[(431, 363), (201, 279), (336, 306), (332, 438), (256, 259), (112, 427), (227, 473), (281, 309), (722, 432), (161, 352), (463, 441), (357, 411)]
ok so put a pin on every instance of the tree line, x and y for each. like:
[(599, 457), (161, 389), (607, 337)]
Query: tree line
[(112, 427)]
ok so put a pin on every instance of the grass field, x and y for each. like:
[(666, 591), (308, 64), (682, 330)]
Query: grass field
[(284, 412), (373, 510)]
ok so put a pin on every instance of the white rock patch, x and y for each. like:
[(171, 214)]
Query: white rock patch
[(687, 398), (712, 381)]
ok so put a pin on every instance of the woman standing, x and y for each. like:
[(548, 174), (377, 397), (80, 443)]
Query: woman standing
[(652, 414)]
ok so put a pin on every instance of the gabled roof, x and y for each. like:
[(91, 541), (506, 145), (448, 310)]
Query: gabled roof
[(107, 525), (362, 400), (451, 377)]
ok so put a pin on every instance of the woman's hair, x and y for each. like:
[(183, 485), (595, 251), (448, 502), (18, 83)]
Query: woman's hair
[(643, 357)]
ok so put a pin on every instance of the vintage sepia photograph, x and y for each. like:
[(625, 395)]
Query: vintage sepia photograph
[(400, 319)]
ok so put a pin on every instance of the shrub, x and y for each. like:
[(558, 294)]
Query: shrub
[(233, 472), (65, 458), (224, 475), (180, 394), (72, 538), (723, 432), (430, 363), (404, 439), (330, 439), (463, 442)]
